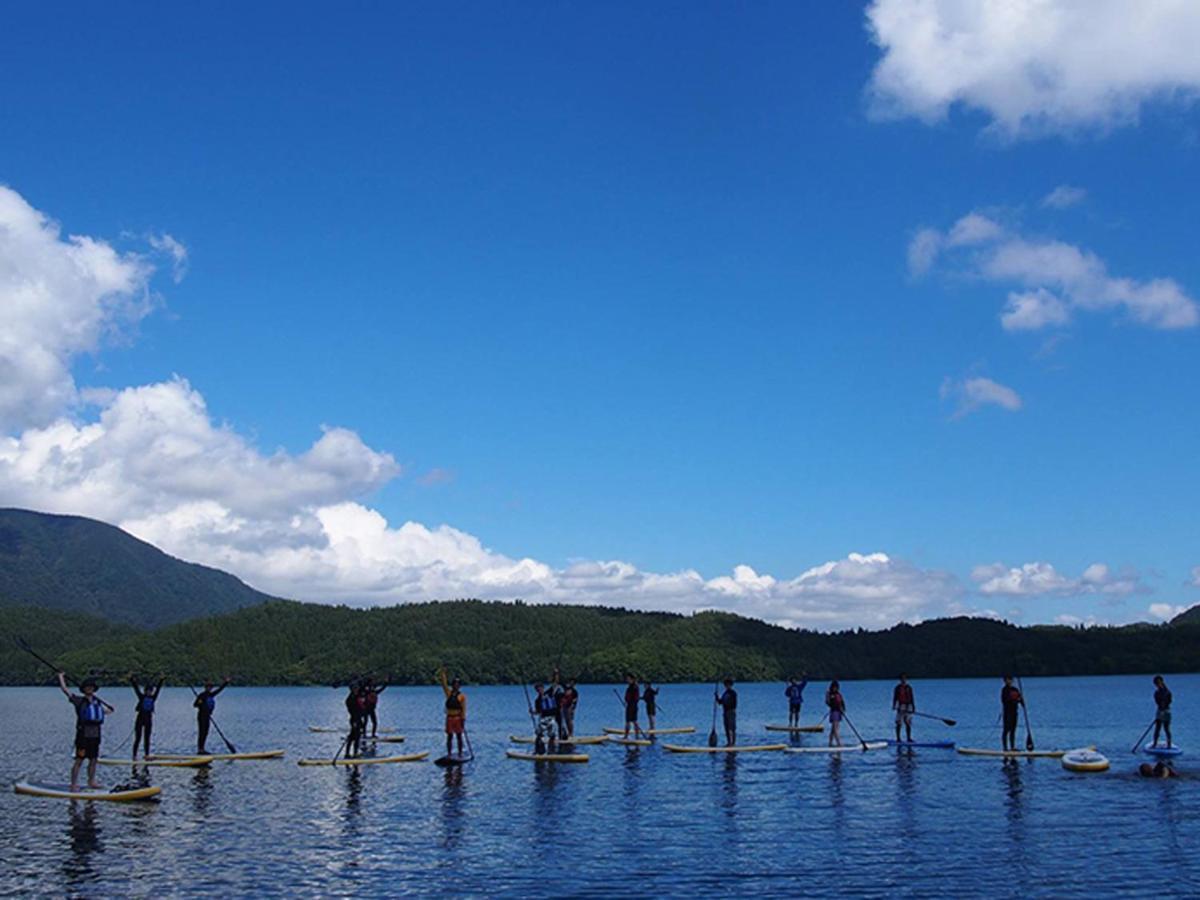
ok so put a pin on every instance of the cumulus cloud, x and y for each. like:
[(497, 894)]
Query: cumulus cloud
[(972, 394), (59, 297), (1042, 579), (176, 251), (1165, 612), (1052, 279), (1033, 66), (1064, 197)]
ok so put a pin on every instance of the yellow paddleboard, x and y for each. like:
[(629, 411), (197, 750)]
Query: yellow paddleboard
[(687, 729), (186, 762), (1012, 754), (594, 739), (797, 729), (253, 754), (64, 792), (631, 742), (548, 757), (737, 748), (364, 760)]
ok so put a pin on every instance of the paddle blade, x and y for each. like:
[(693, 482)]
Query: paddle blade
[(712, 738), (950, 722), (1029, 741)]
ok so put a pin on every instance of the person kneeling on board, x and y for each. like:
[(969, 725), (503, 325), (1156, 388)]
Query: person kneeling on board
[(905, 705), (795, 697), (144, 723), (837, 708), (206, 703), (545, 707), (728, 703), (1162, 710), (89, 716), (456, 711)]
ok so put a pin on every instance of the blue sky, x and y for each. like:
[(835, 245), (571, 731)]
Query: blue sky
[(599, 298)]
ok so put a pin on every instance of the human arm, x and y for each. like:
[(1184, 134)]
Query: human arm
[(62, 684), (444, 681), (224, 684)]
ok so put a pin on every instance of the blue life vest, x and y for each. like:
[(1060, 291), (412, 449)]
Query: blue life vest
[(209, 704), (545, 704), (91, 712), (146, 704), (795, 693)]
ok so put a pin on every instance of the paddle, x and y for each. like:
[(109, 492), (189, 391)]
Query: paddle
[(24, 645), (1025, 710), (1138, 743), (712, 735), (846, 719), (941, 719), (232, 749)]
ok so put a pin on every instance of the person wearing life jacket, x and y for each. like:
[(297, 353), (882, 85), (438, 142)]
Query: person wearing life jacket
[(905, 705), (371, 699), (206, 704), (837, 710), (89, 716), (795, 697), (456, 711), (144, 722), (650, 698), (1162, 710), (568, 700), (632, 697), (545, 708), (728, 701), (1011, 702)]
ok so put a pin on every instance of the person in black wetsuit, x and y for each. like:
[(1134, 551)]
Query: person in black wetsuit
[(650, 698), (357, 708), (1011, 702), (728, 701), (89, 716), (144, 723), (632, 698), (205, 703), (1162, 710)]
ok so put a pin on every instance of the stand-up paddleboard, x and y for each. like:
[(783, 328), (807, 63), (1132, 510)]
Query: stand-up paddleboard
[(1161, 750), (388, 739), (1084, 760), (1012, 754), (796, 729), (181, 762), (945, 745), (547, 757), (578, 741), (845, 748), (364, 760), (452, 760), (325, 729), (631, 742), (249, 754), (64, 792), (736, 748), (687, 729)]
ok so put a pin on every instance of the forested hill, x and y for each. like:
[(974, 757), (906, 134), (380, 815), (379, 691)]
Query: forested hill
[(1190, 617), (74, 564), (294, 643)]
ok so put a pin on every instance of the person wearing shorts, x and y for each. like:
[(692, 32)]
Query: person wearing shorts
[(89, 716), (837, 709), (456, 712), (795, 697), (905, 705)]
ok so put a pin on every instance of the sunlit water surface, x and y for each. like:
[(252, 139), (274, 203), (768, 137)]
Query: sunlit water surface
[(923, 822)]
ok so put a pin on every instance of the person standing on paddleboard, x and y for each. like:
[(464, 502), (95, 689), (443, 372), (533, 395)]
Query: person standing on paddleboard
[(546, 710), (567, 702), (905, 705), (837, 708), (356, 709), (89, 716), (728, 702), (206, 703), (632, 697), (795, 697), (142, 725), (1162, 710), (650, 698), (1011, 702), (371, 699), (456, 711)]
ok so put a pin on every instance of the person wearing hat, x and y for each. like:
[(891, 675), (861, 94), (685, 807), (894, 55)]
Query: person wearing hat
[(456, 711), (89, 716)]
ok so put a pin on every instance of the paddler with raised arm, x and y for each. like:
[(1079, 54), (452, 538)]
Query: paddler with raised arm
[(147, 696), (456, 711), (904, 705), (89, 716), (206, 704), (795, 697)]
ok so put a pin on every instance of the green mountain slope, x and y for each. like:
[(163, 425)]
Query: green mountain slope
[(73, 564), (1189, 617), (295, 643)]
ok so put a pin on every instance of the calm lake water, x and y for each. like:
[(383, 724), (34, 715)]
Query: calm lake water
[(885, 823)]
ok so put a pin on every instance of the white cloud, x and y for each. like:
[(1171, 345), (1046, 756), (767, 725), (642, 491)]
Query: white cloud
[(1195, 576), (1165, 612), (923, 250), (1033, 66), (59, 298), (972, 394), (1041, 578), (1064, 197), (178, 253), (1053, 278)]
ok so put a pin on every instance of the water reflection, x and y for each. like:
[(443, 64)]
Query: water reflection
[(906, 791), (83, 836), (453, 819), (202, 790)]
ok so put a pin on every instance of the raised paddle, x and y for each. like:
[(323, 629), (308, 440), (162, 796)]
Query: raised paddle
[(941, 719), (712, 735), (228, 744), (23, 644), (1138, 743), (846, 719), (1025, 710)]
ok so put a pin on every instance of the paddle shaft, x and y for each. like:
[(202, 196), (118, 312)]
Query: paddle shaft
[(939, 718), (637, 729), (1025, 710), (23, 644), (846, 719), (211, 718), (1138, 742), (712, 735)]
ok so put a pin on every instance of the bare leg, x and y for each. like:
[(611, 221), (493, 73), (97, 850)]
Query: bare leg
[(75, 773)]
